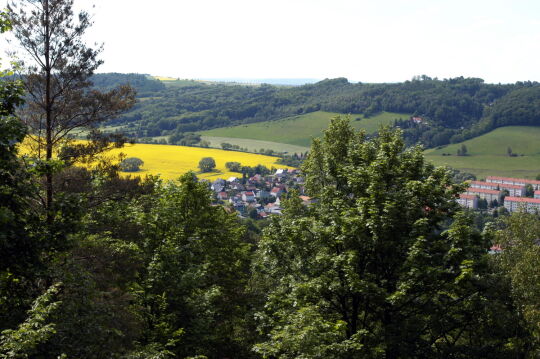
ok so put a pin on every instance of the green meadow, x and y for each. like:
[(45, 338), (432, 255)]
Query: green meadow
[(255, 145), (299, 130), (488, 154)]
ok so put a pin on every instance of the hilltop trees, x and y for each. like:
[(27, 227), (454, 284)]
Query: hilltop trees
[(369, 270), (57, 68)]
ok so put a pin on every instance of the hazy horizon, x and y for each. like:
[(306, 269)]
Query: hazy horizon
[(366, 41)]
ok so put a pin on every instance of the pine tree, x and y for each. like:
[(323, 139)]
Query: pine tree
[(57, 70)]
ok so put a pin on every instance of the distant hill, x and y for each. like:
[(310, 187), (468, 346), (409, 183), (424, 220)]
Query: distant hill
[(489, 154), (270, 81), (449, 110)]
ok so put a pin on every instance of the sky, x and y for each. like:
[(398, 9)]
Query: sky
[(362, 40)]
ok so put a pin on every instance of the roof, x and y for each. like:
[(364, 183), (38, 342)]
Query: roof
[(483, 190), (467, 196), (305, 198), (493, 184), (275, 190), (523, 180), (536, 192), (249, 193), (522, 199)]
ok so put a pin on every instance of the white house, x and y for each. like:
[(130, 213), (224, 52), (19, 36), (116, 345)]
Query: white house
[(248, 196), (487, 194), (468, 201)]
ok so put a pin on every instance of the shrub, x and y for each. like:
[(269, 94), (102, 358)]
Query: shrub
[(131, 164), (207, 164)]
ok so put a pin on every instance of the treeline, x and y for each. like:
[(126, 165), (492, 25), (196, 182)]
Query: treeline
[(383, 265), (452, 109)]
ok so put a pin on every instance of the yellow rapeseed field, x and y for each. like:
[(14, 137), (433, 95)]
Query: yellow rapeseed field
[(170, 162)]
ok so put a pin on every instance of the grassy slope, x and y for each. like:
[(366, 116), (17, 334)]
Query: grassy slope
[(298, 130), (254, 145), (488, 153)]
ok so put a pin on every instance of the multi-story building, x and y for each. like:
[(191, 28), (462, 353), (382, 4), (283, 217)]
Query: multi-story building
[(531, 205), (514, 181), (513, 190), (489, 195), (468, 201)]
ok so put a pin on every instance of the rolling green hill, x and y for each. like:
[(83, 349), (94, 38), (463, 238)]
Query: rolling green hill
[(488, 154), (299, 130), (255, 145)]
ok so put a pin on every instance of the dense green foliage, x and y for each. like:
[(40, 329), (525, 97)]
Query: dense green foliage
[(382, 265), (372, 270), (452, 109), (519, 236)]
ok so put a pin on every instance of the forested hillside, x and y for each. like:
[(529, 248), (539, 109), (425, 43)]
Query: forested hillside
[(452, 110)]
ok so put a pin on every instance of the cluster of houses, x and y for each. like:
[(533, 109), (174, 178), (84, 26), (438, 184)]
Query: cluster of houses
[(502, 191), (259, 196)]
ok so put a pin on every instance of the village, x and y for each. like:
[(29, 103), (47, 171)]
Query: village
[(259, 196)]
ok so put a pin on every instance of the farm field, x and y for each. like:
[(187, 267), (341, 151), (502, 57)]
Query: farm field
[(299, 130), (255, 145), (170, 162), (487, 154)]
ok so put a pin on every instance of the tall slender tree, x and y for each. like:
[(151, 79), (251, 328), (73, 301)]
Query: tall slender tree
[(57, 67)]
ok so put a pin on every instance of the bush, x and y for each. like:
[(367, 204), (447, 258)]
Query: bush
[(233, 166), (131, 164), (207, 164)]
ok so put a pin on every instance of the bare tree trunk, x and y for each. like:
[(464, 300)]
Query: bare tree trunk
[(48, 114)]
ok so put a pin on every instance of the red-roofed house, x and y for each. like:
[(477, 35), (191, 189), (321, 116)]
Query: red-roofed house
[(514, 181), (513, 190), (487, 194), (306, 200), (495, 249), (276, 192), (222, 196), (248, 196), (468, 201), (531, 205)]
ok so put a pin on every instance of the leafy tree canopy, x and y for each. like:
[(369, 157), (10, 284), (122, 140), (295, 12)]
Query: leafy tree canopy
[(371, 270)]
